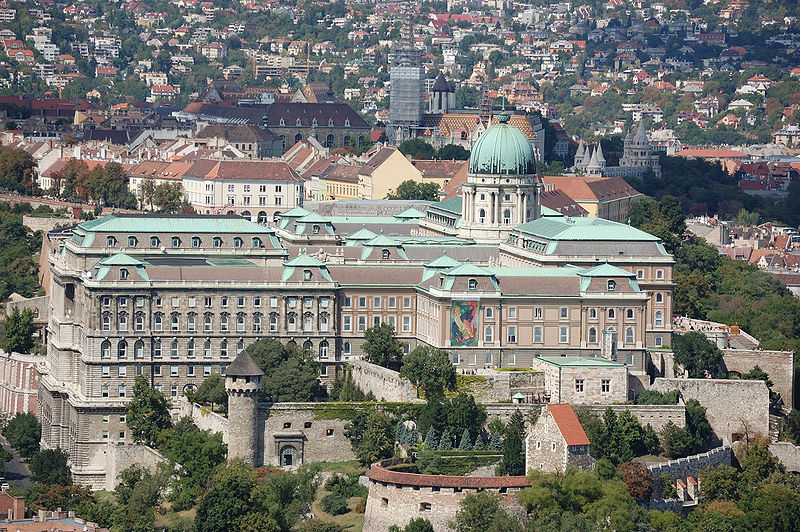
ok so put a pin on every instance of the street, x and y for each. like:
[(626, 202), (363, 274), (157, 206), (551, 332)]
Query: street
[(17, 473)]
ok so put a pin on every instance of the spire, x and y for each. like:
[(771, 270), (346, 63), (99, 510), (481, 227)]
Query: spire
[(579, 153), (641, 134), (599, 155)]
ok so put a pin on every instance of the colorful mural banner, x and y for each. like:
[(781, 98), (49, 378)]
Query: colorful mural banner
[(464, 322)]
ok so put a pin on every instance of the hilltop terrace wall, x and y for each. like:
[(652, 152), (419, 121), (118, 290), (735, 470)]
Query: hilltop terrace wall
[(385, 384), (690, 465)]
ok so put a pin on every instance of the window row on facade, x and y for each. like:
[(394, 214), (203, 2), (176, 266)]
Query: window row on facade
[(178, 242), (159, 348), (211, 302), (241, 322)]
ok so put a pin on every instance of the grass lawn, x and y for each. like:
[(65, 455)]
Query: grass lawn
[(172, 518), (351, 521), (345, 468)]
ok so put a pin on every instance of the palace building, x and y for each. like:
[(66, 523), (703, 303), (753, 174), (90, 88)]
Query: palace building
[(177, 297)]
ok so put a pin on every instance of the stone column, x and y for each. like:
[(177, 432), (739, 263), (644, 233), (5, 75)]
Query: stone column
[(524, 207), (492, 210)]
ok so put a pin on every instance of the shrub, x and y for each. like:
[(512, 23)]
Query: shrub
[(334, 504)]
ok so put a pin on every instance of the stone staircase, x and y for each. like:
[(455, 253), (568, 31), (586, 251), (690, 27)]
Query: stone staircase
[(774, 423), (739, 341)]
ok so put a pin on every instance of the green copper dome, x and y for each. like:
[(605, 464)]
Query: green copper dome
[(502, 149)]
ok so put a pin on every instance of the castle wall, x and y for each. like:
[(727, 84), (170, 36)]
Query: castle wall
[(692, 465), (384, 383), (654, 415), (779, 365), (121, 457), (733, 407), (203, 418), (788, 454)]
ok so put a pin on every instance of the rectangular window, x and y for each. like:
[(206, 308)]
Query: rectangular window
[(122, 371), (323, 302), (579, 385), (537, 313), (489, 312), (659, 274), (206, 371), (106, 301), (240, 301), (406, 302), (512, 312), (123, 301), (537, 335), (563, 335), (347, 324), (157, 371), (230, 188), (190, 371), (564, 313), (122, 391), (487, 358), (139, 301), (391, 320), (392, 302), (323, 371), (176, 301), (308, 302), (512, 359), (122, 435), (106, 371), (192, 302), (376, 302), (362, 323), (207, 301), (605, 385), (247, 188), (105, 418), (512, 335), (347, 302), (273, 302), (456, 358), (105, 434), (224, 301), (173, 371), (256, 301), (376, 320), (362, 302), (406, 323), (640, 274)]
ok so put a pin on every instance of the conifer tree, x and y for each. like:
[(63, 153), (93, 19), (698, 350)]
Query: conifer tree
[(465, 444)]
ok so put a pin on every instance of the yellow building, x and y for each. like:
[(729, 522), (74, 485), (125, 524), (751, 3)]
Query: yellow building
[(384, 172)]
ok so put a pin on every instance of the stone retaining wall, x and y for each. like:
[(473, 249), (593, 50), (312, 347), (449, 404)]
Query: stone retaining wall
[(692, 465), (788, 454), (385, 384), (121, 457)]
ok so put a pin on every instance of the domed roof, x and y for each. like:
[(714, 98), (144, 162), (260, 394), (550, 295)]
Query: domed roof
[(502, 149)]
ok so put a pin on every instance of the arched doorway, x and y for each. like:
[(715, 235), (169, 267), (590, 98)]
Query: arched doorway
[(262, 217), (288, 455), (246, 214)]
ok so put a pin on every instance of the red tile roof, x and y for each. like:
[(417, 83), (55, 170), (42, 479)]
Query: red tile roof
[(378, 473), (568, 424)]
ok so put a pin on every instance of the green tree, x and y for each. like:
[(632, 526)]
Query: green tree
[(377, 439), (418, 524), (412, 190), (23, 432), (481, 512), (697, 355), (168, 197), (49, 466), (290, 374), (139, 494), (148, 188), (513, 461), (148, 412), (452, 152), (430, 370), (108, 184), (381, 346), (746, 218), (18, 332), (417, 149), (211, 390), (223, 506), (677, 441), (463, 413)]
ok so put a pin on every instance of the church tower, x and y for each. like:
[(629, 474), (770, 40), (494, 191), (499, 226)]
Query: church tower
[(443, 97), (503, 189), (242, 384)]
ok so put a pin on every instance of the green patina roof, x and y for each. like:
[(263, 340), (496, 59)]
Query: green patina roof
[(606, 270), (502, 149), (121, 259), (154, 223), (362, 234), (536, 271), (297, 212), (443, 262), (547, 211), (315, 218), (410, 213), (469, 269), (304, 260), (580, 361), (583, 229), (382, 240), (452, 205)]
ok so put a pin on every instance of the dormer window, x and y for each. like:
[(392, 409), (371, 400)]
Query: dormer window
[(217, 241), (306, 275), (123, 274), (111, 241), (237, 242), (282, 123), (612, 285), (298, 123), (257, 243), (196, 243), (346, 122), (132, 241), (315, 229), (385, 254), (154, 242), (314, 123), (330, 122), (473, 284), (176, 242)]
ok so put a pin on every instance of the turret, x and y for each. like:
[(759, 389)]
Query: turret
[(242, 384)]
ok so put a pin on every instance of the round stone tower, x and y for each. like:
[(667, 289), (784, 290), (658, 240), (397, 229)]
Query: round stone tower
[(242, 384)]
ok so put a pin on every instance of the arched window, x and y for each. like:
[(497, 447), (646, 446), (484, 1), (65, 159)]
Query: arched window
[(612, 314), (223, 349), (612, 285), (207, 349), (329, 141), (190, 349), (273, 322), (207, 323), (257, 322), (659, 297), (139, 322), (237, 242), (176, 242), (216, 242), (122, 322), (158, 320), (240, 322), (262, 217), (307, 275), (315, 229), (175, 322), (256, 243), (307, 345), (106, 321), (132, 241), (629, 335), (482, 215), (173, 349), (488, 334), (659, 319), (223, 322), (592, 335), (157, 349), (111, 241), (154, 242), (323, 349), (190, 322), (196, 242), (105, 349), (138, 349), (122, 349), (385, 254), (323, 323), (308, 322), (473, 284), (123, 274), (291, 322), (507, 216), (239, 347), (592, 313)]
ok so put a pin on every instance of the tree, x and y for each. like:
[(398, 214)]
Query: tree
[(463, 413), (465, 444), (513, 461), (638, 480), (223, 506), (168, 197), (481, 512), (412, 190), (417, 149), (23, 432), (18, 332), (677, 441), (148, 188), (697, 355), (290, 374), (49, 466), (108, 184), (148, 412), (429, 369), (452, 152), (417, 524), (212, 390), (381, 346), (377, 440)]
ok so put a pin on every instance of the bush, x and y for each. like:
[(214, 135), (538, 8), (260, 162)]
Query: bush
[(652, 397), (334, 504)]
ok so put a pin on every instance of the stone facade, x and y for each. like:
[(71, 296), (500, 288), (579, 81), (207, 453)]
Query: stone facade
[(396, 498), (583, 380), (547, 450), (654, 415), (787, 453), (385, 384), (243, 436), (734, 408), (779, 365), (19, 382), (121, 457), (692, 465)]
